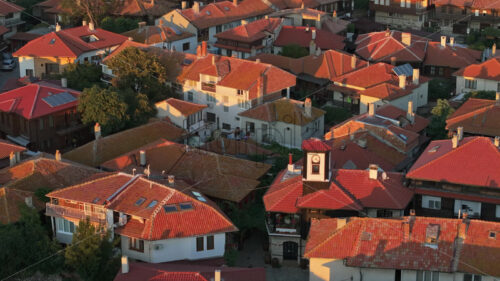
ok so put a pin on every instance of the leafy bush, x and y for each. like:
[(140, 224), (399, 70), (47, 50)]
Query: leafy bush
[(230, 257), (40, 194), (440, 88), (335, 115), (294, 51), (119, 25), (487, 95)]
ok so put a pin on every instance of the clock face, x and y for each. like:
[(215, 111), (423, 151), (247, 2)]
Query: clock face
[(315, 158)]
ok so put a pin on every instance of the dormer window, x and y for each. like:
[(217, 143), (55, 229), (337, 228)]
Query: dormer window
[(431, 235), (90, 38)]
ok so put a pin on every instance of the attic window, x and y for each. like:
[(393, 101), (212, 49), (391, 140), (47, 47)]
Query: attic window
[(96, 200), (170, 208), (52, 41), (434, 149), (90, 38), (493, 235), (432, 234), (140, 201), (152, 204), (208, 13), (186, 206)]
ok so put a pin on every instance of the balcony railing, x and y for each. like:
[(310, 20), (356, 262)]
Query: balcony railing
[(62, 211), (209, 87)]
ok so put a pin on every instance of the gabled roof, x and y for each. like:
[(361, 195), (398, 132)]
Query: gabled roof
[(123, 46), (184, 107), (34, 100), (215, 175), (106, 148), (368, 76), (120, 192), (239, 74), (7, 7), (7, 147), (489, 70), (70, 43), (235, 147), (302, 36), (450, 56), (315, 145), (153, 34), (252, 31), (141, 8), (283, 110), (382, 45), (440, 162), (476, 116), (359, 242), (225, 12), (52, 6)]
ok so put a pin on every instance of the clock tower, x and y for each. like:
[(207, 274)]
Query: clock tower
[(316, 166)]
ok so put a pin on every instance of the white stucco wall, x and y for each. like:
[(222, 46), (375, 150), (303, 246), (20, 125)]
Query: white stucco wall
[(177, 45), (482, 85), (419, 96), (26, 63)]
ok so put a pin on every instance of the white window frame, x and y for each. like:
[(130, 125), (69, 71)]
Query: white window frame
[(470, 84), (64, 226), (431, 202), (427, 275), (497, 211), (458, 206)]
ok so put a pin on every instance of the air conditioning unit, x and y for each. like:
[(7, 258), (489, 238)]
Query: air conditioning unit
[(123, 220)]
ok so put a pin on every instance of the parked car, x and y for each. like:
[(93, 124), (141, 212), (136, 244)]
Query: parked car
[(8, 62)]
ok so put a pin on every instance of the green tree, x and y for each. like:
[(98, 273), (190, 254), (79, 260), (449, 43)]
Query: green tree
[(140, 71), (82, 75), (27, 242), (294, 51), (118, 25), (361, 4), (92, 10), (437, 126), (139, 109), (90, 254), (103, 106), (440, 88), (487, 95)]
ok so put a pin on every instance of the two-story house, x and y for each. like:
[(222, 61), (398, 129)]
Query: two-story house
[(379, 84), (206, 21), (458, 176), (51, 11), (476, 117), (10, 18), (483, 76), (408, 248), (284, 121), (316, 41), (156, 222), (314, 190), (42, 116), (230, 86), (50, 53), (403, 14), (249, 39)]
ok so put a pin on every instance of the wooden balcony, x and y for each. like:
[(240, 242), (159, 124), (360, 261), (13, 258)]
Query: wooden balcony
[(62, 211)]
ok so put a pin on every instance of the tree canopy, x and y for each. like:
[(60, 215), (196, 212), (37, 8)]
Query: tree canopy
[(92, 10), (82, 75), (440, 88), (118, 25), (437, 127), (487, 95), (294, 51)]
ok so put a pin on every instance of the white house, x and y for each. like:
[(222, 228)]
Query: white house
[(484, 76), (10, 18), (411, 249), (285, 121), (156, 222)]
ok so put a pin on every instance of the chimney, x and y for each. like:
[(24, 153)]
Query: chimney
[(497, 97), (373, 174), (312, 48), (97, 131), (462, 226), (393, 61), (402, 81), (409, 114), (171, 179), (244, 22), (141, 24), (443, 41), (416, 76), (387, 32), (235, 2), (196, 7), (142, 158), (217, 275), (213, 60), (12, 158), (291, 166), (124, 264), (412, 212), (371, 109), (460, 133), (184, 5), (64, 82), (198, 51), (257, 61), (308, 107), (58, 155), (91, 26), (497, 142), (84, 22), (493, 49), (454, 141), (452, 41), (353, 61), (406, 38), (58, 27), (334, 14), (204, 48), (341, 222), (313, 34), (130, 39)]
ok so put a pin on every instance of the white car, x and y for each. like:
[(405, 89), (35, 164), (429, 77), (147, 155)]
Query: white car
[(8, 62)]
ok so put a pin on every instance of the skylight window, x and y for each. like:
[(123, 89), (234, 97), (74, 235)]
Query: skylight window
[(226, 8), (186, 206), (140, 201), (434, 149), (195, 193), (170, 208), (52, 41), (152, 204), (199, 196), (96, 200)]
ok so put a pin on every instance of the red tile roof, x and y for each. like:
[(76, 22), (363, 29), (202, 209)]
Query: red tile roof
[(489, 70), (231, 70), (120, 192), (302, 36), (186, 272), (369, 76), (476, 116), (395, 113), (141, 8), (448, 194), (251, 32), (453, 57), (123, 46), (295, 4), (29, 101), (382, 45), (225, 12), (315, 145), (359, 243), (52, 6), (235, 147), (184, 107), (153, 34), (7, 7), (7, 147), (282, 195), (69, 43), (459, 165)]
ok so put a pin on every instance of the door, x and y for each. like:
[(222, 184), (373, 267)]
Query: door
[(290, 250)]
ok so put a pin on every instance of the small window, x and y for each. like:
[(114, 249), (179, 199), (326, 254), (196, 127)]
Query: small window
[(226, 108), (493, 234), (51, 121), (472, 277), (240, 92), (186, 206), (152, 204), (190, 96), (170, 208), (315, 169), (136, 244), (140, 201), (185, 46), (226, 126), (210, 242), (199, 244)]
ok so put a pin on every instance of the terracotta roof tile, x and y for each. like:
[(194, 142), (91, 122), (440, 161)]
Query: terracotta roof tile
[(476, 116), (453, 57), (152, 34), (184, 107), (252, 31), (141, 8), (302, 36), (7, 147), (489, 70), (315, 145), (7, 7)]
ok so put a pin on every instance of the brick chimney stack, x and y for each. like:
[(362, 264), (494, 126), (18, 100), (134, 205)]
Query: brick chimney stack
[(443, 41), (497, 142), (371, 109), (393, 61), (402, 81), (409, 114), (196, 7), (454, 141), (204, 48), (373, 171), (353, 61), (308, 107), (460, 133), (58, 155)]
